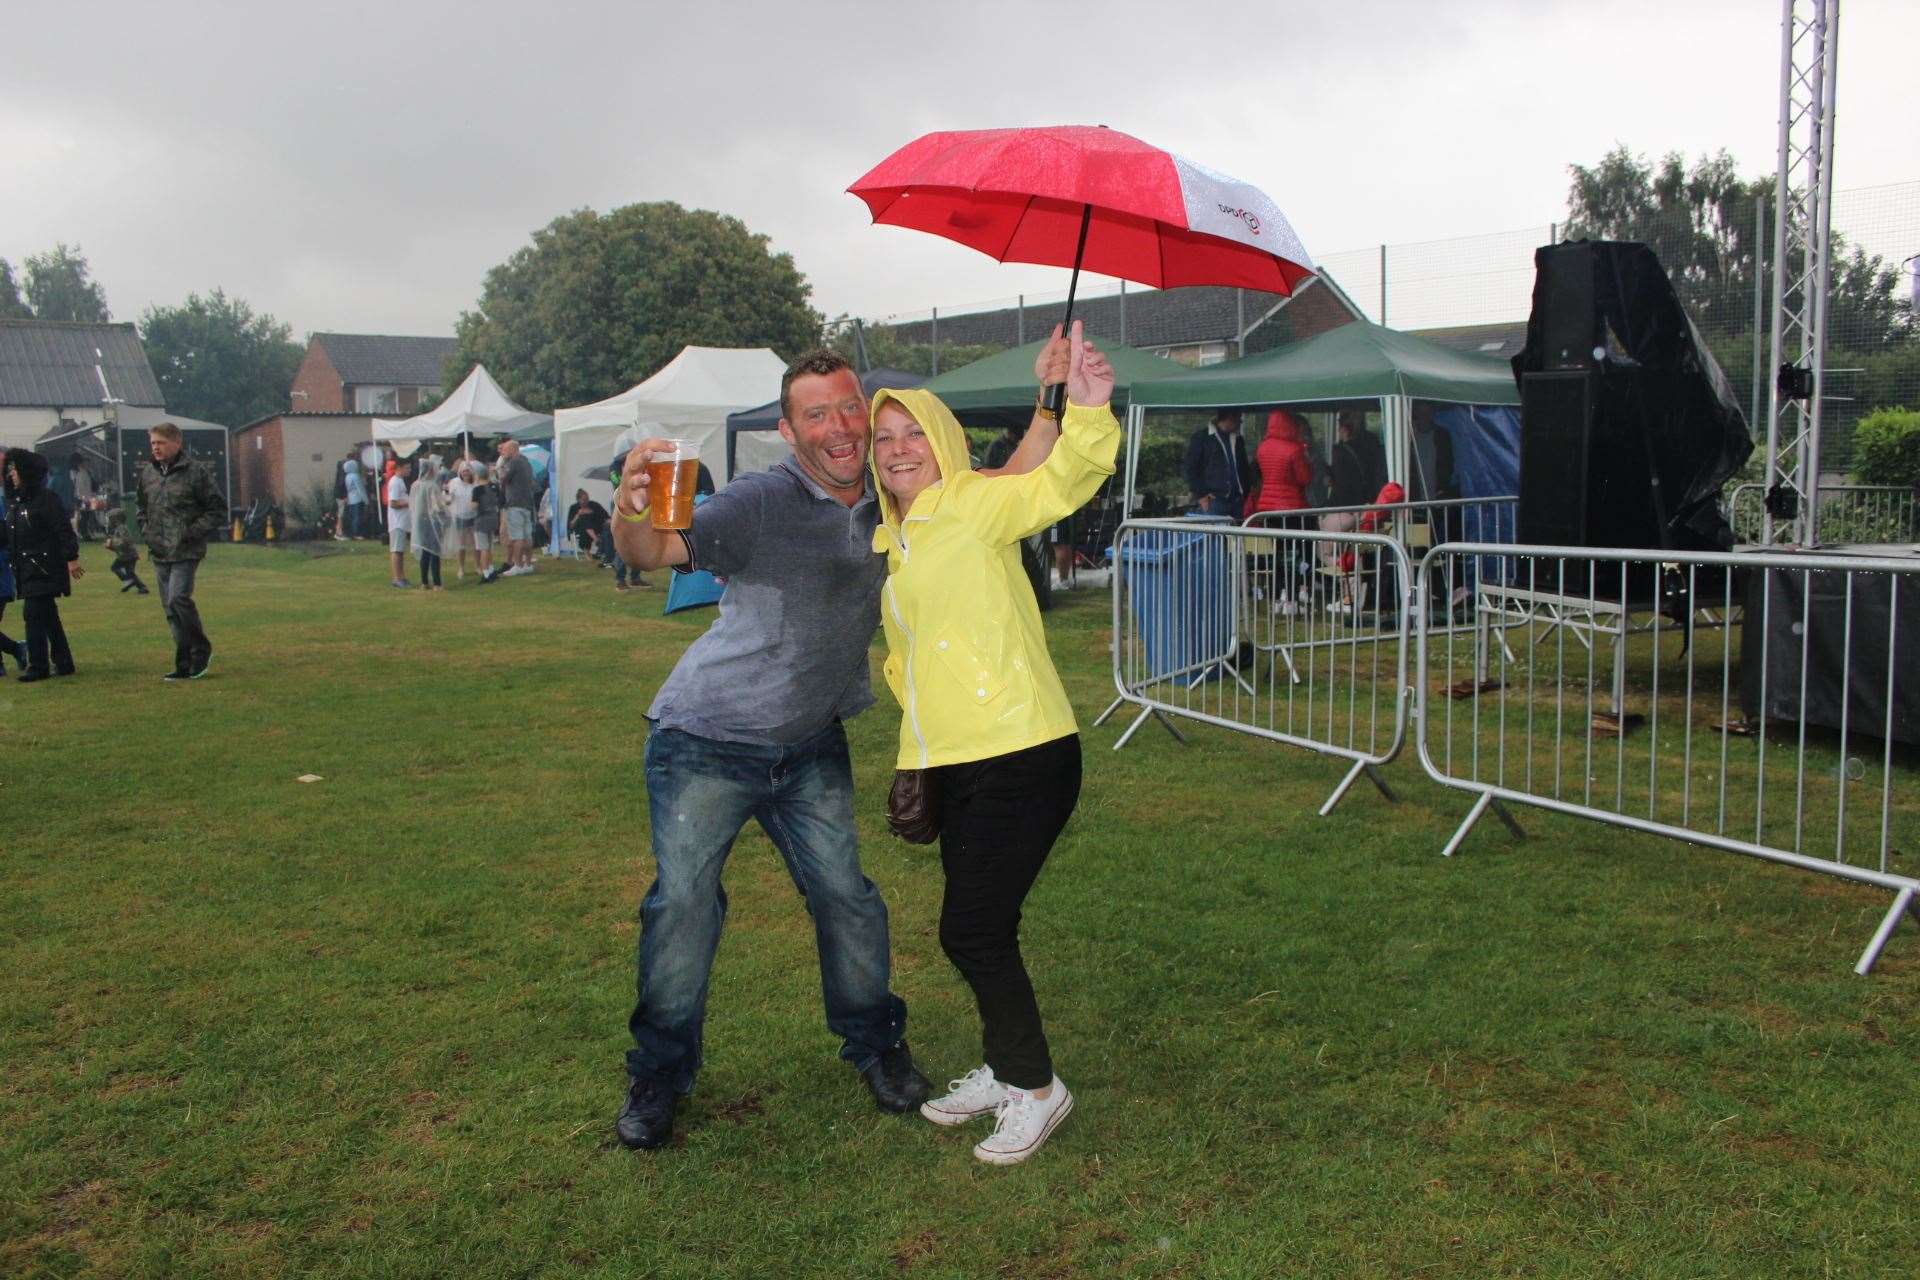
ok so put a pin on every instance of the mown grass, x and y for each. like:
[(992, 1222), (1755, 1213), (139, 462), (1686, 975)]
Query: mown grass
[(372, 1025)]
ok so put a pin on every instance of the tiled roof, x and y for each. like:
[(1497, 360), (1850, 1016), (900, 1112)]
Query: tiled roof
[(382, 360), (1501, 341), (50, 364), (1155, 318)]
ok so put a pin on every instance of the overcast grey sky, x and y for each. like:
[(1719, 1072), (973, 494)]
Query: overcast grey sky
[(359, 166)]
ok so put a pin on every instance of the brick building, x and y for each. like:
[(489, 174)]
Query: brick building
[(366, 373)]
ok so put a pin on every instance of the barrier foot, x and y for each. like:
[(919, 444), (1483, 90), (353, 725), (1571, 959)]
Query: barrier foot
[(1359, 767), (1107, 715), (1141, 719), (1902, 905), (1480, 806)]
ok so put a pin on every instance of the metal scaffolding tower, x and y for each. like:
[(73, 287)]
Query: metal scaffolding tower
[(1802, 239)]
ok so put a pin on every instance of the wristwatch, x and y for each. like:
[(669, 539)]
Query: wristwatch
[(1040, 406)]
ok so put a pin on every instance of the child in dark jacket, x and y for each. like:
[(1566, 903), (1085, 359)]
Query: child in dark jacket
[(46, 559), (126, 556)]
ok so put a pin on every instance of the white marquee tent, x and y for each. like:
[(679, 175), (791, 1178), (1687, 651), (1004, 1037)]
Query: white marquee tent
[(477, 407), (689, 398)]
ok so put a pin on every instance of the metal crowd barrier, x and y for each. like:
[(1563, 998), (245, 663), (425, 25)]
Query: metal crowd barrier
[(1288, 634), (1784, 736), (1849, 513)]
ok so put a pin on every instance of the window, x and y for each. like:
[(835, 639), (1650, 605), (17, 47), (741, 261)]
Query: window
[(376, 399)]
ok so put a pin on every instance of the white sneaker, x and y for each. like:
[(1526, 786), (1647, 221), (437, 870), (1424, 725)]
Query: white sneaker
[(976, 1093), (1023, 1123)]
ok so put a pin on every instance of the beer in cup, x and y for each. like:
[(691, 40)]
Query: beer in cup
[(672, 475)]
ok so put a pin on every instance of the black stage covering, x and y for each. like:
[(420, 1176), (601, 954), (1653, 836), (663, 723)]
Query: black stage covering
[(1636, 429), (1834, 653)]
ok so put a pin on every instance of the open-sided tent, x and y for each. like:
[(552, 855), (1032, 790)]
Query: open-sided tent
[(998, 390), (689, 398), (477, 407), (1364, 361), (753, 435)]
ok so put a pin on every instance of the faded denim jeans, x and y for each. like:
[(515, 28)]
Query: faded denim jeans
[(700, 793)]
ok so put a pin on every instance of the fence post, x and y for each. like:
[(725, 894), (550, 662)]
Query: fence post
[(1383, 284), (1020, 321), (1123, 313), (1759, 306), (936, 342)]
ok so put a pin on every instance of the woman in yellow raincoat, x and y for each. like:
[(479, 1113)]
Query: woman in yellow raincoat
[(984, 711)]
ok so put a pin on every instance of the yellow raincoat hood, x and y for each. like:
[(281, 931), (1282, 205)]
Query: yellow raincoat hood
[(950, 450), (966, 653)]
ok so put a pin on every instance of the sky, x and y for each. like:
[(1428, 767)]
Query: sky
[(358, 167)]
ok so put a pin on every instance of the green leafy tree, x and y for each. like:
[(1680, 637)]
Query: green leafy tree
[(60, 287), (12, 305), (886, 349), (1700, 221), (598, 302), (216, 359)]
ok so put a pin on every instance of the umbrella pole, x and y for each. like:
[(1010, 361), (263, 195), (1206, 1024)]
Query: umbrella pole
[(1054, 398)]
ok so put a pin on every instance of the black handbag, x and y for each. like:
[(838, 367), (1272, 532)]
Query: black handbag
[(913, 806)]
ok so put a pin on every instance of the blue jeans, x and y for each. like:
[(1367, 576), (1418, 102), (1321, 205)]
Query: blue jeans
[(700, 793)]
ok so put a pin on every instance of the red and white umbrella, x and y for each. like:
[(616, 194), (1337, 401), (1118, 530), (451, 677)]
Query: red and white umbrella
[(1150, 216), (1079, 195)]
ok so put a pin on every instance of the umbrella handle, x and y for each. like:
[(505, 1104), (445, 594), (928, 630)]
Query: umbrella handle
[(1053, 397)]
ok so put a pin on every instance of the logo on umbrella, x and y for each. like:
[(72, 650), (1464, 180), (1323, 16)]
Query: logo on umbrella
[(1245, 215)]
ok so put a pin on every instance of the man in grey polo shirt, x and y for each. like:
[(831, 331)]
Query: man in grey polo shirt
[(748, 725), (516, 498)]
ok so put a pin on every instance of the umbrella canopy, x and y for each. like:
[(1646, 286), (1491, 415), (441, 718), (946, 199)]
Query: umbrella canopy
[(998, 390), (1356, 361), (477, 407), (1073, 196)]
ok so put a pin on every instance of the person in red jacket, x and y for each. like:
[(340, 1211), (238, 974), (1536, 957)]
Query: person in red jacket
[(1285, 473)]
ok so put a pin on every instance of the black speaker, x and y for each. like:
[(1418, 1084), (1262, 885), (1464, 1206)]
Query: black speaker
[(1572, 327), (1556, 430)]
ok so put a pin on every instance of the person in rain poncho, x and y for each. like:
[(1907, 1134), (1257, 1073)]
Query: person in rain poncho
[(427, 502), (984, 713)]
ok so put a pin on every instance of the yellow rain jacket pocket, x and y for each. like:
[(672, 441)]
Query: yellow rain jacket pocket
[(978, 669)]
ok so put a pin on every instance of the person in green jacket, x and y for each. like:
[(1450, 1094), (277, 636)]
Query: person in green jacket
[(984, 710), (180, 509)]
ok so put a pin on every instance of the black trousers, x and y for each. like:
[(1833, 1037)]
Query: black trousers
[(429, 568), (46, 638), (127, 573), (6, 641), (999, 819)]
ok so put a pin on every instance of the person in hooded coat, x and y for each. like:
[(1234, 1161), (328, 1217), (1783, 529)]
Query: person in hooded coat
[(984, 712), (428, 506), (1285, 472), (17, 649), (45, 554)]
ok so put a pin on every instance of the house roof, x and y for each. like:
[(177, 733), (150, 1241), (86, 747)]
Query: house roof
[(383, 360), (1155, 318), (50, 364), (1502, 341)]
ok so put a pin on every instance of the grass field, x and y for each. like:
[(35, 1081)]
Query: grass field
[(372, 1025)]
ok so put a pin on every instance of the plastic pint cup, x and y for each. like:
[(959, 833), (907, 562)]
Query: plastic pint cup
[(672, 475)]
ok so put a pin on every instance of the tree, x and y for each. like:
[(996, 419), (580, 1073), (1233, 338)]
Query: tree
[(600, 301), (216, 359), (12, 305), (885, 349), (59, 287), (1700, 221)]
